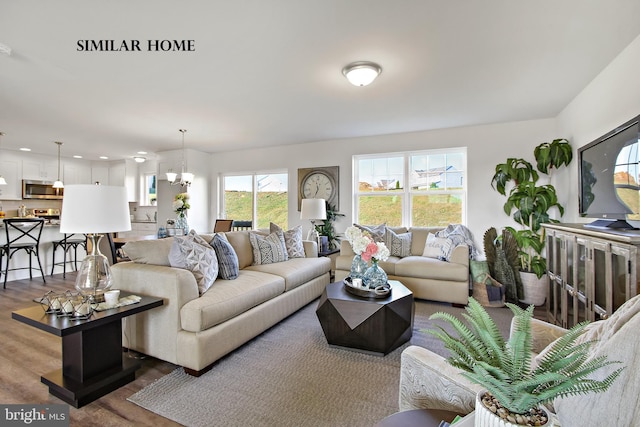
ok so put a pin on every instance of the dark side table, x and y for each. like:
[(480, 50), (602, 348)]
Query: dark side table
[(93, 363)]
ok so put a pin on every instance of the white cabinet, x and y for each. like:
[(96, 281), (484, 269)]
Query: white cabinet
[(591, 272), (125, 173), (76, 174), (10, 171), (140, 229), (40, 169), (100, 173)]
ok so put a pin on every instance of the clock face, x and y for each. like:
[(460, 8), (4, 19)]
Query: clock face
[(317, 186)]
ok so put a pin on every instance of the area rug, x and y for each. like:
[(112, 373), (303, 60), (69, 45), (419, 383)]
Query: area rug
[(289, 376)]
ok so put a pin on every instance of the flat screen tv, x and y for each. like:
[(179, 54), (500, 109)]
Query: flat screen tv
[(610, 177)]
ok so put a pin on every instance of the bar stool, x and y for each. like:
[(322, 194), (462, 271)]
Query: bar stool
[(26, 237), (68, 243)]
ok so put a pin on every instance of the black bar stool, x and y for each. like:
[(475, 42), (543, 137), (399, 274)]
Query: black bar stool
[(26, 234), (69, 242)]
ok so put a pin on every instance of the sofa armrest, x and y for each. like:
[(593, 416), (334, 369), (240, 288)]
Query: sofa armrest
[(460, 255), (428, 381), (346, 249), (310, 249), (543, 334)]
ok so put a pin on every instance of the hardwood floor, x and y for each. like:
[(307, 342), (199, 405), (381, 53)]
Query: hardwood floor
[(27, 353)]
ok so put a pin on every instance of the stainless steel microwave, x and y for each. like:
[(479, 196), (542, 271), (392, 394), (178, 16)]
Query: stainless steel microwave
[(40, 190)]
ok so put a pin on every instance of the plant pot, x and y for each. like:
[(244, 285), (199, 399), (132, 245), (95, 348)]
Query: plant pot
[(484, 417), (535, 290)]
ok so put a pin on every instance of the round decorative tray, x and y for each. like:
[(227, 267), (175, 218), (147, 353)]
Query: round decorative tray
[(379, 292)]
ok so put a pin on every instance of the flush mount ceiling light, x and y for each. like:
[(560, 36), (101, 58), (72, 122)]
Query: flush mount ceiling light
[(139, 159), (5, 50), (361, 73), (186, 178)]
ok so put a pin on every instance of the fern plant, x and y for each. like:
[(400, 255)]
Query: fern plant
[(504, 368)]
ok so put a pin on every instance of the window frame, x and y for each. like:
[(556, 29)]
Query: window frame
[(406, 192)]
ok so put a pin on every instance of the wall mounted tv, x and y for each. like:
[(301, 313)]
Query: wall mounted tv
[(609, 169)]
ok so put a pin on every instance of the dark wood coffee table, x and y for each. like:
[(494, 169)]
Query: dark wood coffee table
[(372, 325), (93, 363)]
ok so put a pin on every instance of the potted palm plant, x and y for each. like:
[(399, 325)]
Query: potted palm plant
[(514, 390), (529, 204)]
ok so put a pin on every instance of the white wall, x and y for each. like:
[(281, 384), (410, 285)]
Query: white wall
[(611, 99), (486, 146)]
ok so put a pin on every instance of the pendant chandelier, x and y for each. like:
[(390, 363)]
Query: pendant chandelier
[(58, 183), (186, 178), (2, 180)]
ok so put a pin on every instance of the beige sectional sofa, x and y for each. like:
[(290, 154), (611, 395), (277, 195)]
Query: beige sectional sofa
[(193, 330), (428, 278)]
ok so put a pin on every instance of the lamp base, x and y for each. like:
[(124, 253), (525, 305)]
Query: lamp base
[(94, 276)]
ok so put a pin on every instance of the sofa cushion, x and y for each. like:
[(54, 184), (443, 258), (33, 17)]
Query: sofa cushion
[(227, 259), (229, 298), (398, 244), (296, 271), (292, 240), (431, 268), (154, 252), (242, 246), (268, 249), (376, 231), (193, 253)]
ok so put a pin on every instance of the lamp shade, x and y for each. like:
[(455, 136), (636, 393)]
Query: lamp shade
[(313, 209), (94, 209)]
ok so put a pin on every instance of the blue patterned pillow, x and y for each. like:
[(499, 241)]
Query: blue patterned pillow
[(227, 259), (268, 249)]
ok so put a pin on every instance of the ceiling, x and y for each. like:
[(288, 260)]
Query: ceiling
[(268, 72)]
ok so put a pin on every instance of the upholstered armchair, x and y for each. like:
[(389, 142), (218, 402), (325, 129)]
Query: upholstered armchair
[(428, 381)]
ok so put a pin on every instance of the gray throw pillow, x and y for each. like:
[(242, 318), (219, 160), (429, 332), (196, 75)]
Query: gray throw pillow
[(193, 253), (399, 244), (375, 231), (268, 249), (292, 240), (227, 259)]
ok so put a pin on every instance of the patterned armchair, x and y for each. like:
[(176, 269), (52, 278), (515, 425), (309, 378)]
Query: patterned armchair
[(428, 381)]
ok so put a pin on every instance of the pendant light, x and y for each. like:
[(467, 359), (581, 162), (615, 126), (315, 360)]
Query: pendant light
[(58, 183), (2, 180), (186, 178)]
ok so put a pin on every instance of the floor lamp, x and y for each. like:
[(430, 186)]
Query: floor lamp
[(313, 210), (94, 210)]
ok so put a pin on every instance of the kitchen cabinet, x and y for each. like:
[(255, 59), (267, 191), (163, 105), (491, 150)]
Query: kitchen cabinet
[(40, 169), (10, 171), (591, 272), (100, 173), (140, 229), (76, 174), (124, 173)]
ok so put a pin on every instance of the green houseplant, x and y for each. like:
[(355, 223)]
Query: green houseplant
[(504, 369), (530, 203), (326, 228)]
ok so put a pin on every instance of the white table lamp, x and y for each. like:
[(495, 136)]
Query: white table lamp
[(313, 209), (94, 210)]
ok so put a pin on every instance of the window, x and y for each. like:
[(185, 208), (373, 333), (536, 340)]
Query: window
[(148, 190), (424, 188), (259, 198)]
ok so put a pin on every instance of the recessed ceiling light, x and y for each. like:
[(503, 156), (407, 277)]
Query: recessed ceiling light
[(139, 159), (104, 157), (25, 149), (77, 157), (142, 152)]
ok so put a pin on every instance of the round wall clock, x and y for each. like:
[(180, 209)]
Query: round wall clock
[(318, 183)]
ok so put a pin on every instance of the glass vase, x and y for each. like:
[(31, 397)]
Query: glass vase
[(181, 223), (375, 276), (358, 268)]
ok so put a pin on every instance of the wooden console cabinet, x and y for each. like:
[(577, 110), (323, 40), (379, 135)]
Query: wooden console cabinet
[(591, 271)]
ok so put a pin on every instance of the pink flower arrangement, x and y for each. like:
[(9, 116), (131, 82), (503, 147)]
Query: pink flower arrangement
[(364, 245)]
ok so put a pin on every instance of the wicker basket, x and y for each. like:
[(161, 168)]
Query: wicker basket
[(481, 294)]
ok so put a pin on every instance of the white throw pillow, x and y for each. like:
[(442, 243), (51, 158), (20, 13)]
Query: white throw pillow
[(436, 247), (193, 253)]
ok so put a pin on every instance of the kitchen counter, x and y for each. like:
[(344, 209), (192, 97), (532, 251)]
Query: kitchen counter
[(143, 221)]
